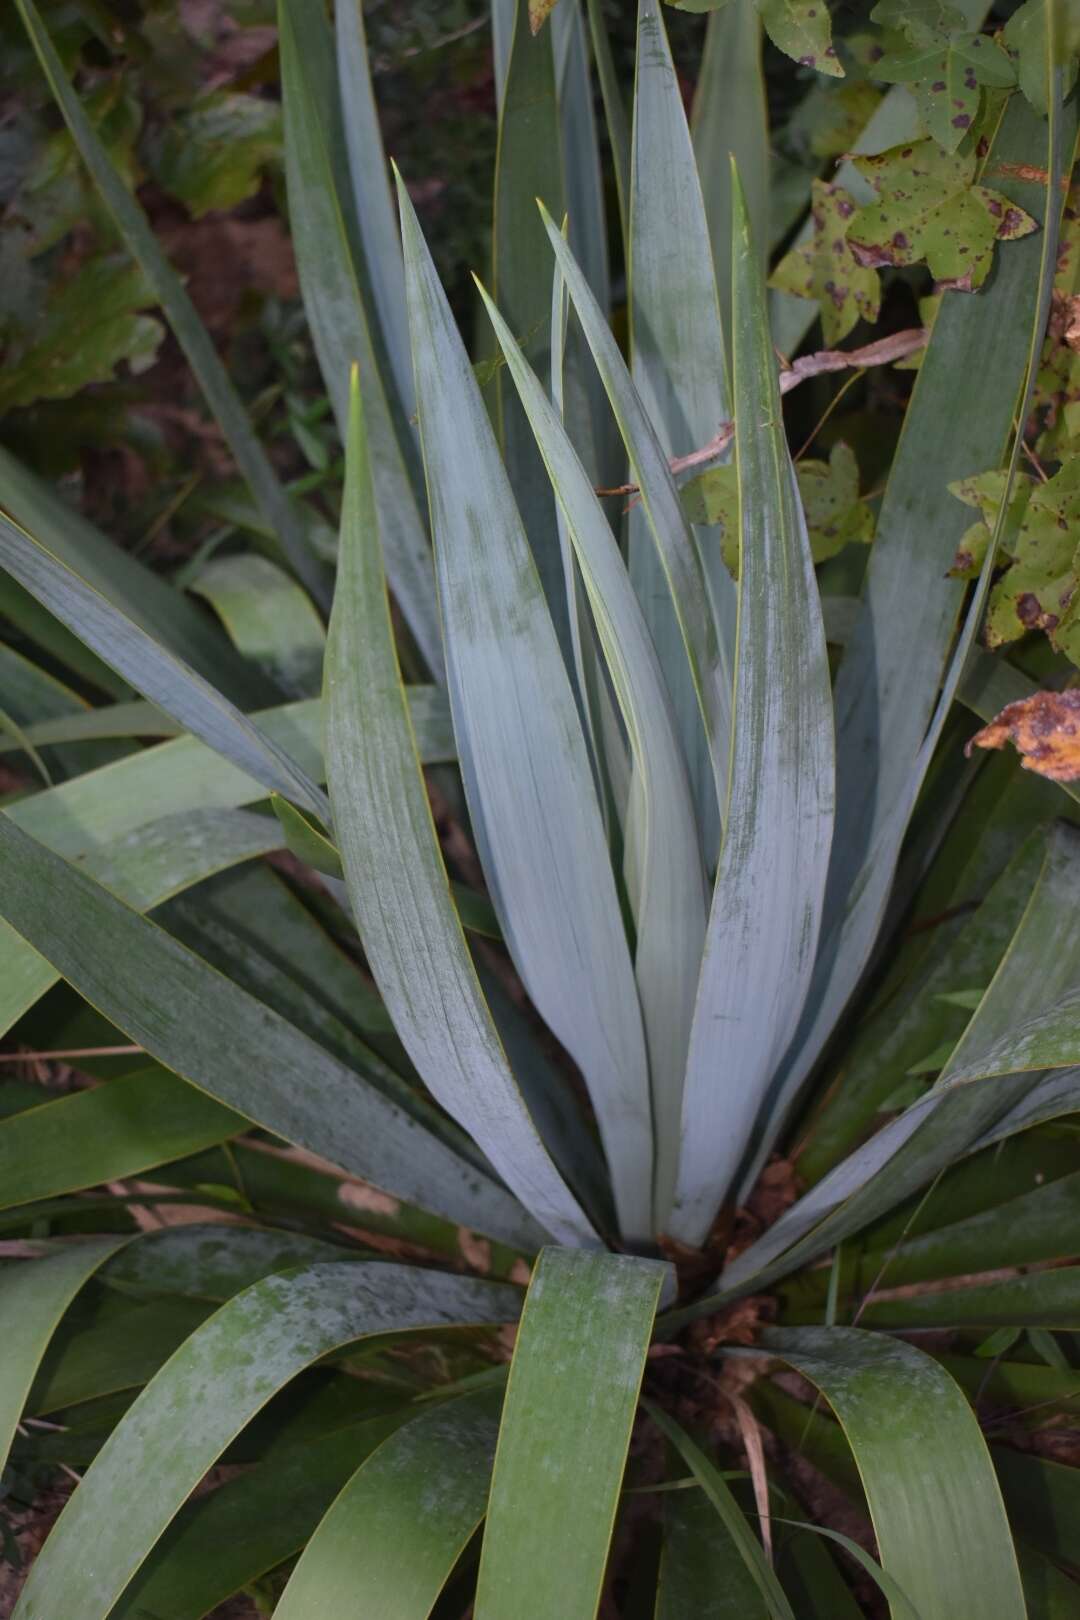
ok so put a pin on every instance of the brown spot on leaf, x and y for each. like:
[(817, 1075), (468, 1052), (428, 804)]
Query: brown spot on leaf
[(1028, 609), (1072, 324), (1045, 728)]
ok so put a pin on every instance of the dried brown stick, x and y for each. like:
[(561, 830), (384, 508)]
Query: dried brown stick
[(882, 352)]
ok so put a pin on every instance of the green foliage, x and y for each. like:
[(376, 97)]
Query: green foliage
[(802, 29), (89, 326), (213, 155), (612, 878), (930, 207), (1038, 584), (836, 516), (827, 269)]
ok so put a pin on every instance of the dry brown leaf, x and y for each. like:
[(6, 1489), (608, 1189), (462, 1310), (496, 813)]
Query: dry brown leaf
[(539, 12), (1045, 728)]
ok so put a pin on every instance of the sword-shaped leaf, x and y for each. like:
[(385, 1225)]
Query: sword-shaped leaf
[(205, 1394), (322, 218), (523, 757), (770, 885), (207, 1029), (391, 1540), (565, 1431), (164, 678), (934, 1501), (667, 887), (679, 369), (396, 878)]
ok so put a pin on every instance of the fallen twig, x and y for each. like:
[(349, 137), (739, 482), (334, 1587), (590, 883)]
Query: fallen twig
[(882, 352)]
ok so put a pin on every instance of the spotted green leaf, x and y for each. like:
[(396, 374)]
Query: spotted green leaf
[(836, 516), (946, 76), (826, 269), (802, 29), (929, 208)]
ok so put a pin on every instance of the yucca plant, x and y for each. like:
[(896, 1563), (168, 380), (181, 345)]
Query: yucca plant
[(688, 989)]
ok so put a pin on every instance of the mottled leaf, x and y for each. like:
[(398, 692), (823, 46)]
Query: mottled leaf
[(929, 208), (826, 269), (835, 513), (946, 79), (212, 154), (802, 29), (86, 328)]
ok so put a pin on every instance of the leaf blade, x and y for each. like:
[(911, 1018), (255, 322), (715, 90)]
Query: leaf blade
[(565, 1430)]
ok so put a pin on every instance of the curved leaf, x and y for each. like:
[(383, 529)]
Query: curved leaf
[(565, 1430), (393, 1536), (396, 878), (268, 617), (203, 1397), (34, 1295), (936, 1508), (216, 1035), (225, 1539), (121, 1129)]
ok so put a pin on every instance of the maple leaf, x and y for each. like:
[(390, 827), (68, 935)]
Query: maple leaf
[(836, 516), (946, 78), (1056, 399), (1039, 588), (929, 208), (826, 269), (802, 29), (984, 492), (922, 21)]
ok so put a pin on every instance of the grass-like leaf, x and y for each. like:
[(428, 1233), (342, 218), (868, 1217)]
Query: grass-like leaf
[(207, 1392), (395, 1533), (396, 878), (531, 794), (770, 885), (565, 1430)]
